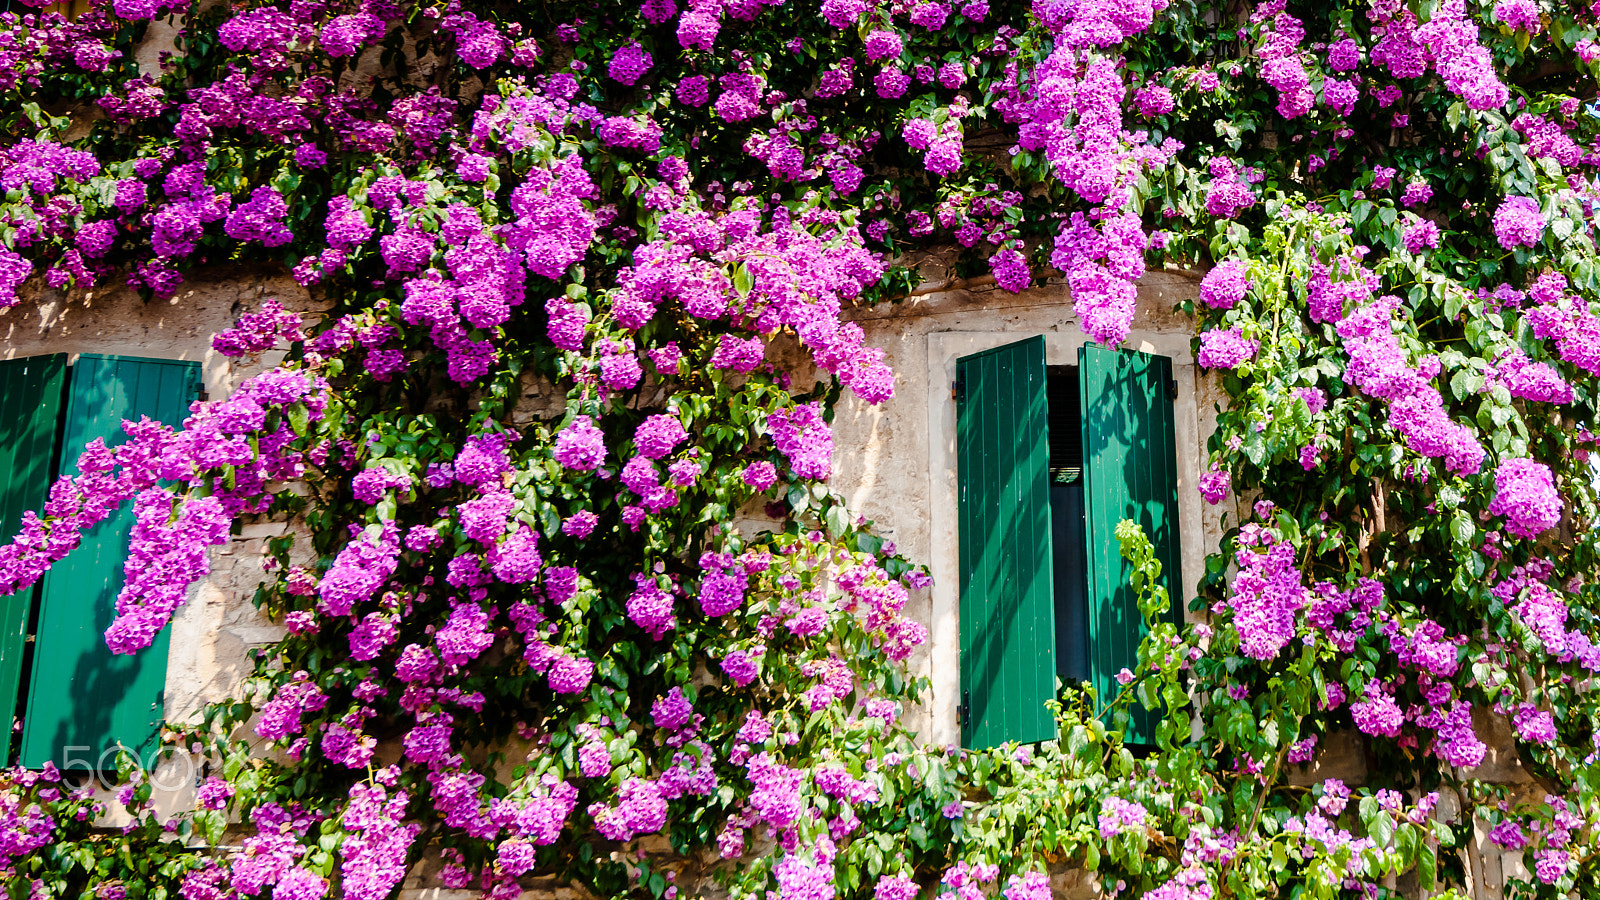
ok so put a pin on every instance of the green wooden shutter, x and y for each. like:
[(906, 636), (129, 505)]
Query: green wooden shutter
[(83, 700), (1007, 602), (1130, 472), (30, 410)]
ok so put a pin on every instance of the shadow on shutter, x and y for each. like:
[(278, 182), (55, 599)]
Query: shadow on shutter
[(83, 700), (1130, 472), (30, 409), (1008, 666)]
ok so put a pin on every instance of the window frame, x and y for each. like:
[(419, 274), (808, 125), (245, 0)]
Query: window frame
[(1198, 529)]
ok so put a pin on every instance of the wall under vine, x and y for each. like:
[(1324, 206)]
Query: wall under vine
[(522, 648)]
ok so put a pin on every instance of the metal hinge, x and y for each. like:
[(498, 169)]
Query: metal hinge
[(964, 711), (958, 390), (1172, 388)]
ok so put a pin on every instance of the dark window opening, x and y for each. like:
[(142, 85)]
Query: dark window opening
[(1067, 524)]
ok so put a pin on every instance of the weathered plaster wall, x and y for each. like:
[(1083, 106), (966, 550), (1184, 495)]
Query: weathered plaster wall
[(894, 463)]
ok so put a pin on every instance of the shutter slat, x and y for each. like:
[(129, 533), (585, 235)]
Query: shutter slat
[(30, 407), (1130, 472), (84, 700), (1006, 592)]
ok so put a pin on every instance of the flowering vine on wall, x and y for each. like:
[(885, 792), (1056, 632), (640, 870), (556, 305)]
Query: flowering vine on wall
[(524, 645)]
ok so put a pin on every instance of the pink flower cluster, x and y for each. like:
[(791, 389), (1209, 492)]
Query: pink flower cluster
[(1226, 284), (1267, 594), (1102, 265), (1225, 349), (259, 331), (805, 439), (1525, 493), (1518, 223), (1378, 368)]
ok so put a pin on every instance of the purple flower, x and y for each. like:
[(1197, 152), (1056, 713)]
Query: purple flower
[(883, 44), (1118, 815), (1520, 15), (804, 439), (594, 758), (1302, 751), (760, 476), (515, 560), (898, 887), (775, 791), (465, 635), (1550, 865), (483, 518), (95, 238), (1421, 235), (300, 884), (360, 569), (1376, 713), (570, 674), (214, 794), (919, 133), (697, 30), (1228, 194), (260, 219), (580, 524), (1344, 55), (694, 91), (930, 14), (650, 607), (1267, 594), (620, 371), (1154, 100), (629, 63), (1308, 457), (1518, 223), (1525, 493), (1508, 834), (1335, 796), (1314, 398), (1031, 886), (371, 635), (671, 712), (722, 592), (1011, 272), (1215, 484), (345, 35), (1533, 724), (891, 83), (1226, 284), (640, 809), (1227, 349), (659, 435), (580, 446), (739, 668), (280, 717)]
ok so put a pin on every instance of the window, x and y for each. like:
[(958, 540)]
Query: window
[(77, 700), (1047, 463)]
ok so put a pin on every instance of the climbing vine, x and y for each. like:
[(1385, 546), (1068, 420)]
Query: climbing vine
[(571, 586)]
